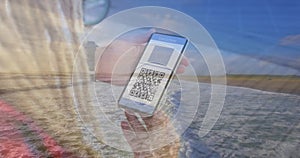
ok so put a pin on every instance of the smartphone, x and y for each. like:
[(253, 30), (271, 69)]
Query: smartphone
[(153, 73)]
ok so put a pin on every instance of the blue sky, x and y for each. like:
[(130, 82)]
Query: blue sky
[(267, 30)]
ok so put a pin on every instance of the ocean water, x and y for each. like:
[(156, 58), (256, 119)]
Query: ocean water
[(253, 123)]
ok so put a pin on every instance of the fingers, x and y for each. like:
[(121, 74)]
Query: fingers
[(135, 134), (184, 61), (182, 65), (134, 123), (141, 140), (127, 131), (125, 126), (138, 37), (158, 120), (180, 69), (144, 37)]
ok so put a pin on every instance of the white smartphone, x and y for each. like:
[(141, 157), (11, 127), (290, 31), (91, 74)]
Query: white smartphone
[(153, 72)]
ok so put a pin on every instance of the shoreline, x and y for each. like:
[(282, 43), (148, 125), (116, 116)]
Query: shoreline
[(268, 83), (44, 98)]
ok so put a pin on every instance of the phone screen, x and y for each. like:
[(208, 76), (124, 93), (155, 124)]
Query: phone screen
[(153, 73)]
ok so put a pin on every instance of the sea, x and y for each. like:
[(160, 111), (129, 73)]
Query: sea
[(252, 123)]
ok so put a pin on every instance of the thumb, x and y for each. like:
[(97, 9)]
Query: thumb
[(138, 37)]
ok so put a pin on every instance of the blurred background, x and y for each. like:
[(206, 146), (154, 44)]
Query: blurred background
[(258, 40)]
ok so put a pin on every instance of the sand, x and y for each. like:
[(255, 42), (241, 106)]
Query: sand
[(271, 83)]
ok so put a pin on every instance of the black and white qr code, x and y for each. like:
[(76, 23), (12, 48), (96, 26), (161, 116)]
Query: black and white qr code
[(146, 84)]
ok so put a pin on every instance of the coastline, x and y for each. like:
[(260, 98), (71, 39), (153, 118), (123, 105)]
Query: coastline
[(47, 99), (269, 83)]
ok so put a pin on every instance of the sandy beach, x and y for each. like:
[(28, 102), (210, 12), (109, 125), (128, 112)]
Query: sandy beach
[(48, 101)]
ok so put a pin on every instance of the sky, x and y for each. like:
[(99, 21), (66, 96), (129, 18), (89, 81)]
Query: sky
[(255, 31)]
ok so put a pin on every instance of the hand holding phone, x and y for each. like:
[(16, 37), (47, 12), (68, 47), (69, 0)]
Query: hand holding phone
[(152, 74), (145, 144)]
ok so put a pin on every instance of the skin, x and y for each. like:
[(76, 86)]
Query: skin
[(141, 141), (119, 59), (115, 66)]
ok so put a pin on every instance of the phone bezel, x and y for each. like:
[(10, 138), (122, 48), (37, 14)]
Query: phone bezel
[(172, 71)]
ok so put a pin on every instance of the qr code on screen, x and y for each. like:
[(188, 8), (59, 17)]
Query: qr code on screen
[(146, 84)]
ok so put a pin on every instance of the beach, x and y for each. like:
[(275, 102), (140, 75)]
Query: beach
[(251, 120)]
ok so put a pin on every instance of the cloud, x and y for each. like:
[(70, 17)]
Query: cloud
[(291, 40)]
